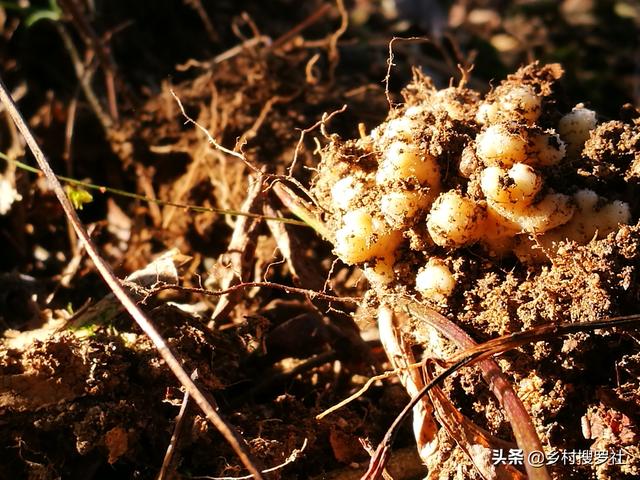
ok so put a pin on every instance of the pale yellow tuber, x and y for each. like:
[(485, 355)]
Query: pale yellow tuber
[(595, 215), (353, 239), (521, 103), (403, 161), (574, 128), (553, 210), (515, 103), (363, 237), (594, 218), (498, 234), (546, 149), (448, 171), (454, 220), (400, 128), (399, 206), (517, 186), (498, 146), (488, 113), (345, 191), (379, 271), (435, 281), (448, 100)]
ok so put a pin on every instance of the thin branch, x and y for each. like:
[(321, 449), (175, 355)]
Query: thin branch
[(310, 20), (114, 284), (364, 388), (168, 464), (204, 18), (84, 74), (290, 459), (238, 261), (103, 52), (232, 52), (381, 457), (212, 141), (241, 286), (325, 118), (333, 54), (390, 63), (515, 412)]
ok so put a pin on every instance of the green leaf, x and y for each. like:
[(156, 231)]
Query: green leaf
[(38, 15), (34, 14), (78, 196), (53, 13)]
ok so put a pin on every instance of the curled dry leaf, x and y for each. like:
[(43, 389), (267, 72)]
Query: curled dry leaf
[(238, 259), (400, 355)]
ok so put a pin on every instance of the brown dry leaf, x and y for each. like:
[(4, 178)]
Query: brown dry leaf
[(304, 272), (238, 259), (514, 410), (163, 269), (400, 355), (117, 443), (307, 274), (476, 442)]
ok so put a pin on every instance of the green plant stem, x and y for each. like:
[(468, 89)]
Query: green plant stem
[(124, 193)]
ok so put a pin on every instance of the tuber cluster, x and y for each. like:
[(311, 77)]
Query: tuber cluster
[(451, 170)]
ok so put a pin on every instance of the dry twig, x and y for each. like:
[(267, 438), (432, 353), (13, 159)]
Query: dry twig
[(333, 54), (390, 63), (310, 20), (286, 288), (204, 18), (515, 411), (290, 459), (84, 74), (92, 39), (212, 141), (168, 463), (320, 123)]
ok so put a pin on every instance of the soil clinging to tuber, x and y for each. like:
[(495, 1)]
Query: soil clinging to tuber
[(505, 175)]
